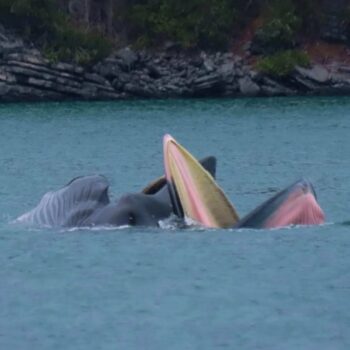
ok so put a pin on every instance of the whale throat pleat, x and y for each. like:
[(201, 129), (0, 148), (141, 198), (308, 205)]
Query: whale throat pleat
[(70, 205)]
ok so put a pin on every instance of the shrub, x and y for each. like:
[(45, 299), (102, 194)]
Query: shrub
[(30, 17), (205, 24), (280, 28), (77, 45), (41, 22), (311, 15), (282, 63)]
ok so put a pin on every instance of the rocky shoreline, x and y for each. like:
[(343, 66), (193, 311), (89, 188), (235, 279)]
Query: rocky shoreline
[(25, 75)]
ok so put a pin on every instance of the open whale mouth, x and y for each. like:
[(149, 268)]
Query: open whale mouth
[(295, 205), (193, 191), (299, 207), (195, 195)]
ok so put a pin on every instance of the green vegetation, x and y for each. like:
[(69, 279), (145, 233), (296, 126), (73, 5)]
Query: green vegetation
[(76, 45), (196, 23), (214, 24), (280, 28), (40, 21), (282, 63), (79, 35)]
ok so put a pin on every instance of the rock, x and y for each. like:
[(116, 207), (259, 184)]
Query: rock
[(40, 69), (108, 68), (96, 90), (208, 63), (99, 87), (10, 47), (119, 82), (139, 90), (255, 76), (171, 46), (227, 68), (153, 71), (247, 87), (22, 71), (208, 79), (344, 69), (41, 83), (96, 78), (68, 67), (271, 87), (228, 56), (341, 89), (211, 84), (4, 88), (239, 72), (317, 73), (196, 61), (246, 47), (26, 75), (30, 93), (27, 57), (128, 58), (9, 43), (7, 77), (340, 78)]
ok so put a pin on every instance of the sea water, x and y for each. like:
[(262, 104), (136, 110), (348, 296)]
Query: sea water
[(168, 288)]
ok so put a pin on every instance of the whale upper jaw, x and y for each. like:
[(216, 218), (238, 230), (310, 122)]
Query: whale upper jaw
[(194, 192)]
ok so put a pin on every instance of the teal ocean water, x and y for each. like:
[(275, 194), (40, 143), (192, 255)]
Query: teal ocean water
[(137, 288)]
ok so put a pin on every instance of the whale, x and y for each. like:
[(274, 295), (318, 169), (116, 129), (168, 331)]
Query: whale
[(85, 202), (295, 205), (196, 195), (188, 189)]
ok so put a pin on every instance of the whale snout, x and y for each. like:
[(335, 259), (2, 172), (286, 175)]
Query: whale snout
[(306, 186)]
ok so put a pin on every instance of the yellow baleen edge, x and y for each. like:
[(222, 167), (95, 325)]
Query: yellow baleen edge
[(201, 198)]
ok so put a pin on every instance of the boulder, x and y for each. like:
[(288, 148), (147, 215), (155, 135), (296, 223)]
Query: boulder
[(138, 90), (153, 71), (9, 43), (247, 87), (317, 73), (29, 56), (4, 88), (271, 87), (208, 63), (68, 67), (7, 47), (108, 68), (208, 85), (128, 58), (96, 78), (227, 69), (340, 78), (7, 77)]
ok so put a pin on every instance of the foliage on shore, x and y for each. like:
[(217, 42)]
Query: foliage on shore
[(41, 22), (282, 63), (197, 24)]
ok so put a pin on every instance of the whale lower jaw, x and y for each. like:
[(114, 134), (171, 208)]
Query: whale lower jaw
[(303, 210), (295, 205)]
